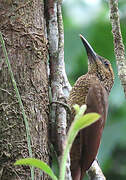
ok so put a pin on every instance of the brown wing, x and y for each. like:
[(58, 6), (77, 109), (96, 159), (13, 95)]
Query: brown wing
[(97, 101)]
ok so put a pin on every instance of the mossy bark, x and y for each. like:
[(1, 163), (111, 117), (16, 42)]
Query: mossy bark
[(22, 24)]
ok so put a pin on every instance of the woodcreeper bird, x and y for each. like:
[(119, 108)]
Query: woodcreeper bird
[(93, 90)]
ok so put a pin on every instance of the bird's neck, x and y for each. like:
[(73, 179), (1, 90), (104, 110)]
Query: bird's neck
[(106, 83)]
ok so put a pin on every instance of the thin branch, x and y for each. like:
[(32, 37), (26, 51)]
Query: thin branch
[(95, 172), (118, 43), (59, 84)]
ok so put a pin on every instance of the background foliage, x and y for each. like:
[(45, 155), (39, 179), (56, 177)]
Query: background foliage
[(91, 19)]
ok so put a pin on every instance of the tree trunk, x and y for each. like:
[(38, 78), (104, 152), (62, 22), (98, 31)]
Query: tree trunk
[(22, 24)]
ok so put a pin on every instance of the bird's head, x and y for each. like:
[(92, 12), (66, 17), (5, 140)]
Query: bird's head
[(99, 66)]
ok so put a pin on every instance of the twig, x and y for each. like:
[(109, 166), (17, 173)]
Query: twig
[(118, 43), (68, 109), (19, 100)]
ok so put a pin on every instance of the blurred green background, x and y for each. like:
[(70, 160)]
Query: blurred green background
[(91, 19)]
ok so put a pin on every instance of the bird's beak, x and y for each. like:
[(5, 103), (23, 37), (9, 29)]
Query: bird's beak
[(90, 52)]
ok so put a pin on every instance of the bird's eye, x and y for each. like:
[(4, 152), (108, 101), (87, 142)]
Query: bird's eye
[(106, 63)]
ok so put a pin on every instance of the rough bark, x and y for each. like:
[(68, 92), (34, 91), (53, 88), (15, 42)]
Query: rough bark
[(22, 24), (118, 42), (58, 80)]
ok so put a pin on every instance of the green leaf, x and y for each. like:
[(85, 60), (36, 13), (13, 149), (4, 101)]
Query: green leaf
[(76, 107), (79, 110), (79, 123), (38, 164), (86, 120)]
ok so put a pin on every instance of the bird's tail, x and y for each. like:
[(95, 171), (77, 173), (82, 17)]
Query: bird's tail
[(77, 174)]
